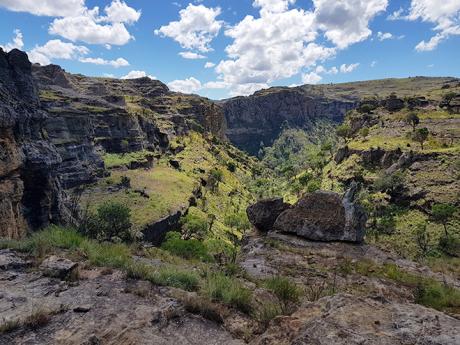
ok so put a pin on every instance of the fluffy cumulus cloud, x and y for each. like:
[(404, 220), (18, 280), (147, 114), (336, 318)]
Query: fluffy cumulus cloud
[(17, 42), (284, 41), (120, 62), (137, 74), (56, 49), (444, 14), (209, 64), (52, 8), (189, 85), (76, 22), (348, 68), (191, 55), (347, 22), (196, 28), (93, 28)]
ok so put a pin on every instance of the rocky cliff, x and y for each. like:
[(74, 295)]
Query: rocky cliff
[(54, 127), (257, 120)]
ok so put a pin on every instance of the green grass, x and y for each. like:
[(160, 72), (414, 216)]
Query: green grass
[(427, 291), (106, 254), (285, 289), (112, 160), (228, 290)]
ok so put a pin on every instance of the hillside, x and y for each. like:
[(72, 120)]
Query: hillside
[(256, 121), (131, 214)]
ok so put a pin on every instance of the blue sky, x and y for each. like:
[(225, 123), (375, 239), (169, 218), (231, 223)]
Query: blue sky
[(246, 44)]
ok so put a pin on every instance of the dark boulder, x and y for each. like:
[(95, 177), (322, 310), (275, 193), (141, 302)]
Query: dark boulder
[(263, 213), (324, 216), (393, 103)]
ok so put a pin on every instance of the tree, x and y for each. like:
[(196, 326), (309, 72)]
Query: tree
[(364, 132), (365, 109), (112, 220), (442, 213), (421, 135), (413, 120), (343, 131)]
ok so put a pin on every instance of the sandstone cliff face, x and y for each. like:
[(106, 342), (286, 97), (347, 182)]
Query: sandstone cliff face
[(30, 192), (259, 118), (54, 126)]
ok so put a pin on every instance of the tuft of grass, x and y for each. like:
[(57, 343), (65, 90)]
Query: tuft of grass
[(8, 326), (106, 254), (228, 290), (187, 249), (204, 307), (267, 312), (178, 278), (285, 289), (44, 242)]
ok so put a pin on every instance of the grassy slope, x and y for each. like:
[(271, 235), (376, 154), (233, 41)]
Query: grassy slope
[(170, 189)]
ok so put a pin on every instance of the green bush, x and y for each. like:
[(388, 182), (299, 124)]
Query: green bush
[(229, 290), (187, 249), (237, 220), (364, 132), (313, 186), (194, 225), (112, 220), (107, 254), (285, 289), (231, 166)]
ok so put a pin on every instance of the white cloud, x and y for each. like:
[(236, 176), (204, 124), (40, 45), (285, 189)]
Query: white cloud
[(396, 14), (382, 36), (209, 65), (119, 12), (137, 74), (273, 6), (373, 63), (444, 14), (56, 49), (196, 28), (84, 28), (189, 85), (285, 41), (322, 69), (120, 62), (216, 85), (311, 78), (247, 89), (347, 22), (191, 55), (348, 68), (52, 8), (17, 42)]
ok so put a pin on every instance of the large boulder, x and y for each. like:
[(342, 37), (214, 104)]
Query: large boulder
[(324, 216), (56, 267), (263, 213)]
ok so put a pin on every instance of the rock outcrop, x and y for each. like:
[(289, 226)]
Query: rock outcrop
[(258, 119), (372, 321), (263, 213), (30, 190), (54, 126), (324, 216)]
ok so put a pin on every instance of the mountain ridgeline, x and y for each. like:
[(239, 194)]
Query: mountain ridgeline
[(319, 214)]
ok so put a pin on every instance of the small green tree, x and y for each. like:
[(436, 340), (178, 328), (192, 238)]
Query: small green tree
[(343, 131), (305, 178), (413, 120), (421, 135), (365, 109), (194, 226), (442, 213), (111, 220)]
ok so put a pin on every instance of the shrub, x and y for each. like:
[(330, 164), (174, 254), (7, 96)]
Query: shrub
[(285, 289), (237, 220), (389, 183), (113, 219), (231, 166), (305, 178), (187, 249), (194, 225), (413, 120), (228, 290), (442, 213), (343, 131), (421, 135), (204, 307), (313, 186)]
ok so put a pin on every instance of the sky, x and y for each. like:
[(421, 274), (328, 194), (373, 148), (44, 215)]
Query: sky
[(226, 48)]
